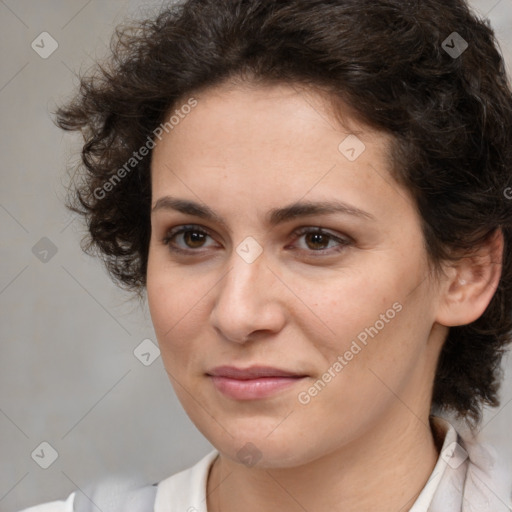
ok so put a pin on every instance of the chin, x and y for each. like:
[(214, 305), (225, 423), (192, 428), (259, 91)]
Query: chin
[(264, 454), (256, 442)]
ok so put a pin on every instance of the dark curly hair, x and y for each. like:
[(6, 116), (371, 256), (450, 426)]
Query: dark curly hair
[(427, 72)]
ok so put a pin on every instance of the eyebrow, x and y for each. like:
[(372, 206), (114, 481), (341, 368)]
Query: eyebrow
[(273, 218)]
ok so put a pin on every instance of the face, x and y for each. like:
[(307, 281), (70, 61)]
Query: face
[(300, 330)]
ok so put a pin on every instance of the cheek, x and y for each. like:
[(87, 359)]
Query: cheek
[(170, 301), (339, 308), (370, 320), (374, 359)]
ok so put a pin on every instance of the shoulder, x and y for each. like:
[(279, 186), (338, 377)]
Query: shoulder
[(474, 477), (54, 506), (121, 495), (104, 497), (488, 483), (108, 495)]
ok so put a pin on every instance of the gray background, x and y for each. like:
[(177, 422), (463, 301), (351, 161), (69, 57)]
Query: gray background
[(68, 375)]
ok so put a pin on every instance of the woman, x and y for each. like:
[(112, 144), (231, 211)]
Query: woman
[(343, 166)]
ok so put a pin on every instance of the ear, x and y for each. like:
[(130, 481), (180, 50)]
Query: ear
[(471, 283)]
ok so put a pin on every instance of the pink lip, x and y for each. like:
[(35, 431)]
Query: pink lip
[(251, 383)]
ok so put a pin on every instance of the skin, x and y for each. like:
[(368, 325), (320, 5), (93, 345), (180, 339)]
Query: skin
[(364, 441)]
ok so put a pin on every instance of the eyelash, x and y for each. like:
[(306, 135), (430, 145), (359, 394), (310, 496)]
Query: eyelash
[(344, 242)]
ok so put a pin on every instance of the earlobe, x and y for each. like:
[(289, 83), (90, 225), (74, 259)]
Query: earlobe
[(472, 282)]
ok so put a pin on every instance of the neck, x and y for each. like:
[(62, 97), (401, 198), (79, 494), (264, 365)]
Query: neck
[(383, 470)]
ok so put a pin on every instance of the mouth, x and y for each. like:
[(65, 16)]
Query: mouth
[(252, 383)]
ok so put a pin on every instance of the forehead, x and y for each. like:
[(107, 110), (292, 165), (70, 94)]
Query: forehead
[(260, 122), (268, 144)]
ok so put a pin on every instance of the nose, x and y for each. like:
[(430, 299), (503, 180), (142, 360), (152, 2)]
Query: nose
[(248, 301)]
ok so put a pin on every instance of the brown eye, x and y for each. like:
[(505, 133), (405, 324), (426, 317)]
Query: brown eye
[(318, 240), (191, 237)]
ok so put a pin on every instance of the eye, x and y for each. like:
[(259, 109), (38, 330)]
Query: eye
[(317, 239), (192, 236)]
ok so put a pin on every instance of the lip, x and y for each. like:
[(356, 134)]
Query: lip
[(255, 382), (253, 372)]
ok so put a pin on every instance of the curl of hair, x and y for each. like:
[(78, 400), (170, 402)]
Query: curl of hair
[(450, 120)]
